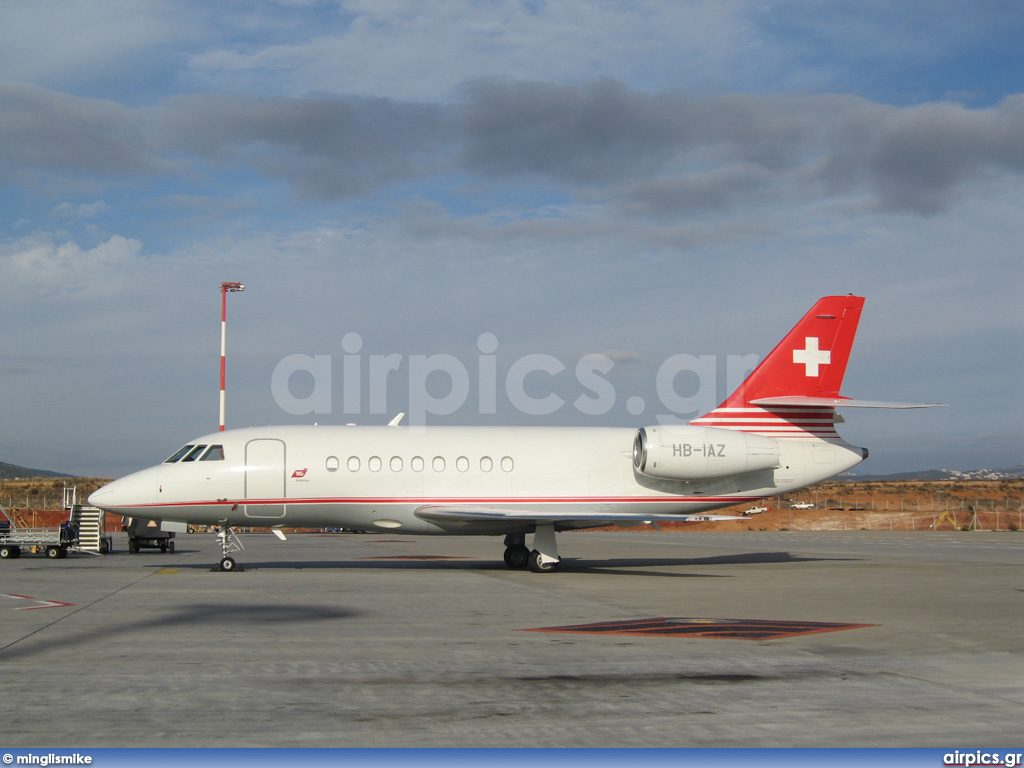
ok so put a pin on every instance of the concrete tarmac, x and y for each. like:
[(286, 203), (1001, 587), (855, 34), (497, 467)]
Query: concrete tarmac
[(344, 640)]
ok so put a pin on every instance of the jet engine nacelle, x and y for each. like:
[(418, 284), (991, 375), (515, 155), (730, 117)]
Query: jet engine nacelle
[(701, 453)]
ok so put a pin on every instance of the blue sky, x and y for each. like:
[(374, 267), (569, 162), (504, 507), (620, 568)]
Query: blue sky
[(632, 180)]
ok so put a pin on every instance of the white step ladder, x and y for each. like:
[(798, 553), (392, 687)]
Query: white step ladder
[(89, 521)]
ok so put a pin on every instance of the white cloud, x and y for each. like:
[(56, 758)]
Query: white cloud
[(68, 42), (40, 266), (415, 50), (81, 210)]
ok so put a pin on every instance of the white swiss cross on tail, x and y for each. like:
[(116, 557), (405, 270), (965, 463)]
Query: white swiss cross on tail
[(811, 357)]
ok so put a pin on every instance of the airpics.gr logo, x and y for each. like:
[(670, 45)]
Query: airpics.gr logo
[(441, 384), (1009, 759)]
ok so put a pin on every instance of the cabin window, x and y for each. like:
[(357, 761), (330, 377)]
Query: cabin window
[(486, 464), (462, 464), (507, 465), (353, 463), (215, 453), (396, 463), (179, 453), (438, 464), (332, 464), (416, 463), (374, 464), (194, 453)]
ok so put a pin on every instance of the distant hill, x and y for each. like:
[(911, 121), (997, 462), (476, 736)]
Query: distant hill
[(938, 475), (14, 472)]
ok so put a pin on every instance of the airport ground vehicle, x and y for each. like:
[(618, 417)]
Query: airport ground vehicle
[(147, 534), (82, 532), (54, 542)]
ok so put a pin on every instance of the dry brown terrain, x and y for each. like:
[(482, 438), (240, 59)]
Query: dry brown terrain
[(999, 505), (37, 502), (900, 506)]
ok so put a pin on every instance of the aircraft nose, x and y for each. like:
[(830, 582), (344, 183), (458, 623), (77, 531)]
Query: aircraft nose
[(101, 495), (131, 491)]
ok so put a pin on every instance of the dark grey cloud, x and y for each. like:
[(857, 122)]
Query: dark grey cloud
[(605, 132), (46, 130), (662, 154), (672, 151), (328, 148), (592, 133), (914, 157)]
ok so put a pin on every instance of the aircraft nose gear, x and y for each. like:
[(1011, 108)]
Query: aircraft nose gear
[(229, 544)]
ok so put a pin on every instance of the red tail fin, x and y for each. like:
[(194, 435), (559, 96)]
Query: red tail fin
[(809, 362)]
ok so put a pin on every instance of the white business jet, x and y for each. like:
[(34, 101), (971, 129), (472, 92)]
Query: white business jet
[(774, 435)]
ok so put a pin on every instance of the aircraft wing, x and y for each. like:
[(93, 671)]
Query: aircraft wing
[(572, 518)]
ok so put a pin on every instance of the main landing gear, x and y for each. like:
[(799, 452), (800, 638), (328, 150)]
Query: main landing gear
[(544, 556), (229, 544)]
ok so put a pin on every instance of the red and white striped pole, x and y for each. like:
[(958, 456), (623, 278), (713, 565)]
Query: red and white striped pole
[(225, 288)]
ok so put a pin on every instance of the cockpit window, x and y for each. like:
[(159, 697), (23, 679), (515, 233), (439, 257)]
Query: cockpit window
[(194, 453), (178, 454), (215, 453)]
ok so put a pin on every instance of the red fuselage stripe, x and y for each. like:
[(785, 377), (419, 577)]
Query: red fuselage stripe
[(474, 502)]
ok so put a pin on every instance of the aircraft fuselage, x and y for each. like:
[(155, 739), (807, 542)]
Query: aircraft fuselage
[(389, 478)]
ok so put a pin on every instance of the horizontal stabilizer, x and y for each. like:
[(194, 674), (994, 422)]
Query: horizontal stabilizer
[(835, 402)]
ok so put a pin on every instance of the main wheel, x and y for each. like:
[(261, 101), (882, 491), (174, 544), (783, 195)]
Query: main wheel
[(227, 564), (517, 556), (538, 566)]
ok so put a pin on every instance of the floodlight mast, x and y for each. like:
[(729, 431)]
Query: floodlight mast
[(225, 289)]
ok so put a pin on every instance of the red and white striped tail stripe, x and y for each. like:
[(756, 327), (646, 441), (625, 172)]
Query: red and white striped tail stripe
[(795, 422)]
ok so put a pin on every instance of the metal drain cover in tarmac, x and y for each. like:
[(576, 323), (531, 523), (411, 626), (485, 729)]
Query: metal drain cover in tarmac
[(731, 629)]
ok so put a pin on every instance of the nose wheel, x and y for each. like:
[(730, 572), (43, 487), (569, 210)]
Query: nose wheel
[(229, 544)]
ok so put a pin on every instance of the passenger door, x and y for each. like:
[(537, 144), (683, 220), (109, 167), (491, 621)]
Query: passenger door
[(264, 478)]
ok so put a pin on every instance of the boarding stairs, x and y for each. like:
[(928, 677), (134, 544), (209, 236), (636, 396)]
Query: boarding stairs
[(89, 521)]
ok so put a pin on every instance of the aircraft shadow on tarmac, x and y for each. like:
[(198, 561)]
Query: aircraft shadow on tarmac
[(623, 566), (249, 617)]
